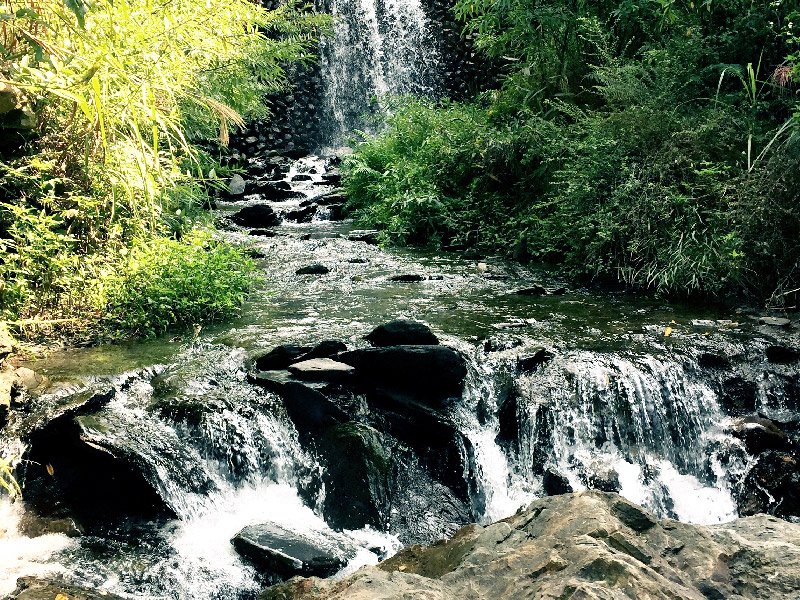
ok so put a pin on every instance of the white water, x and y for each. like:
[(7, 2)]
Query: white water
[(377, 49)]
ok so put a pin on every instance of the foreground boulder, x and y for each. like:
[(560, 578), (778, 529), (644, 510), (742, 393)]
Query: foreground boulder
[(257, 215), (30, 588), (588, 546), (286, 553)]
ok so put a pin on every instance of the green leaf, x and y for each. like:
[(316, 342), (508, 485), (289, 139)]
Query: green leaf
[(79, 8)]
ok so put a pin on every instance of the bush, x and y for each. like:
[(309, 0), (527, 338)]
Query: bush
[(166, 283)]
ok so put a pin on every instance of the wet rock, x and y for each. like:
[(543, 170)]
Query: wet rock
[(759, 434), (287, 553), (334, 198), (368, 236), (402, 332), (32, 588), (276, 191), (555, 483), (408, 278), (256, 216), (236, 186), (508, 418), (302, 215), (308, 407), (325, 349), (423, 371), (499, 343), (336, 212), (280, 357), (772, 486), (32, 525), (709, 360), (332, 178), (739, 395), (322, 369), (313, 270), (535, 290), (605, 481), (774, 321), (578, 546), (357, 478), (560, 291), (262, 233), (782, 354), (302, 177), (530, 362)]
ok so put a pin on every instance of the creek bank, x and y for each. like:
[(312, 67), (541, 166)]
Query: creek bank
[(590, 545)]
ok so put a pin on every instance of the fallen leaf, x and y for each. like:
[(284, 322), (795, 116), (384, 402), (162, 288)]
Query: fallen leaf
[(668, 332), (50, 472)]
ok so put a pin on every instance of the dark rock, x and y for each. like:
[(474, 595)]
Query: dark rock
[(635, 517), (32, 525), (739, 395), (606, 481), (302, 177), (407, 278), (336, 212), (280, 357), (287, 553), (275, 191), (402, 332), (313, 270), (262, 232), (322, 369), (357, 478), (334, 198), (499, 343), (364, 235), (530, 362), (759, 434), (557, 291), (358, 261), (325, 349), (535, 290), (508, 418), (708, 360), (31, 588), (772, 485), (423, 371), (257, 215), (309, 409), (303, 215), (555, 483), (295, 153), (782, 354), (332, 178)]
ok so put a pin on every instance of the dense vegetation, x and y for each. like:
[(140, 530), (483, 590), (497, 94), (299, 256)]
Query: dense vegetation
[(102, 181), (653, 143)]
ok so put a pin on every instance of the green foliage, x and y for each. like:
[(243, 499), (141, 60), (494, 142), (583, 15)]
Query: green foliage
[(7, 480), (651, 143), (120, 92), (166, 283)]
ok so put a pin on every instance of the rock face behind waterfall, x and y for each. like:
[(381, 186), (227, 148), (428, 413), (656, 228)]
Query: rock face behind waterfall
[(591, 545)]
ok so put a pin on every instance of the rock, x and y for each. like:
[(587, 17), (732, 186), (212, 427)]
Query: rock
[(280, 357), (704, 323), (6, 344), (605, 481), (29, 378), (402, 332), (423, 371), (578, 546), (708, 360), (408, 278), (236, 186), (31, 588), (739, 395), (759, 434), (308, 407), (775, 321), (499, 343), (555, 483), (333, 198), (32, 525), (325, 349), (368, 236), (782, 354), (303, 215), (257, 215), (313, 270), (332, 178), (358, 476), (336, 212), (535, 290), (262, 233), (288, 553), (276, 191), (322, 369), (302, 177), (772, 485), (10, 98), (530, 362)]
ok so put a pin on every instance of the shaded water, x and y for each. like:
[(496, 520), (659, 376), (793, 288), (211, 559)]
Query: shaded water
[(617, 397)]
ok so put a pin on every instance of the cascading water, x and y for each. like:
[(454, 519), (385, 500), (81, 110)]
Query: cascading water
[(377, 49)]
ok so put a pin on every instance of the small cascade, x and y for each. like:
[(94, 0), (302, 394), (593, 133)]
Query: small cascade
[(643, 426), (376, 49)]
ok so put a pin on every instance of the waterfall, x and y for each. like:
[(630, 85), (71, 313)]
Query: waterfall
[(378, 48), (648, 427)]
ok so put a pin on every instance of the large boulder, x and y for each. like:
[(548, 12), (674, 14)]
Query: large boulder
[(287, 553), (31, 588), (402, 332), (772, 485), (589, 545), (429, 372), (280, 357), (322, 369)]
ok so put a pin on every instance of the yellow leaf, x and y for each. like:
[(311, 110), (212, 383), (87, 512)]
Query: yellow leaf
[(50, 472), (61, 596), (668, 332), (672, 322)]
